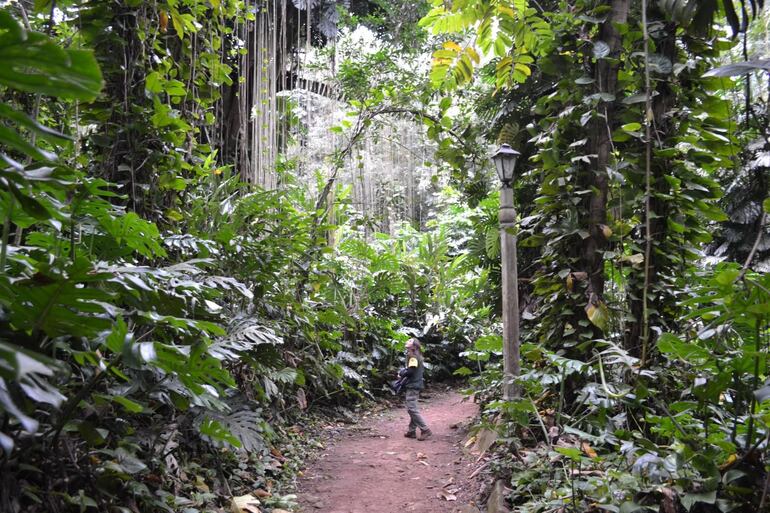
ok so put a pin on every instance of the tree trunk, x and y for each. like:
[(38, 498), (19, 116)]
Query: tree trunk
[(606, 75), (660, 209)]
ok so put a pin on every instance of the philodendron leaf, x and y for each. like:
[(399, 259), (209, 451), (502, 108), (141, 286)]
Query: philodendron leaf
[(601, 49), (28, 370), (660, 64), (32, 62), (690, 499), (762, 394), (671, 345)]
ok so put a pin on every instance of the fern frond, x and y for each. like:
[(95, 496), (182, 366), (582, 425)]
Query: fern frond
[(244, 334)]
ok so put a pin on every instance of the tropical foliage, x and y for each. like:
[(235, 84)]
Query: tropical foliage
[(176, 291)]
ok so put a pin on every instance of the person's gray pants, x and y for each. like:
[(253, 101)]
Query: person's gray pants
[(415, 419)]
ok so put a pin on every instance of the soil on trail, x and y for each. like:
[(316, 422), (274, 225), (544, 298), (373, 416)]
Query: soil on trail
[(372, 468)]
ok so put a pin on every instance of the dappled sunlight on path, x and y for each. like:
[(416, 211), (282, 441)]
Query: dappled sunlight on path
[(372, 468)]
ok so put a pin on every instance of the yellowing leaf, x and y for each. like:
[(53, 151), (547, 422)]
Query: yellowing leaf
[(598, 314), (504, 65), (178, 24), (729, 463), (451, 45), (523, 68), (473, 54)]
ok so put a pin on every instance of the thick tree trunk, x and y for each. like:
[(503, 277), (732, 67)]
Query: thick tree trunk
[(606, 75), (660, 209)]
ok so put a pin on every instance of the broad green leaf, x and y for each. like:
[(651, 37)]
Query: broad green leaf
[(691, 498), (128, 404), (572, 453), (671, 345), (492, 343), (463, 371), (632, 127), (31, 62)]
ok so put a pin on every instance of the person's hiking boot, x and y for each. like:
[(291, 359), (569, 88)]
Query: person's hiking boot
[(424, 435), (411, 434)]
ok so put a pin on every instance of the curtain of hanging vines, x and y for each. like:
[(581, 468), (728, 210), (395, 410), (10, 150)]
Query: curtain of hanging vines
[(274, 47), (252, 122)]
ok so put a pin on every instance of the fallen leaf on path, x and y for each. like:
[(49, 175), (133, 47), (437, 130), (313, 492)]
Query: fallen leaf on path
[(201, 485), (448, 482), (421, 456), (446, 496), (484, 440), (245, 504), (275, 452), (588, 450)]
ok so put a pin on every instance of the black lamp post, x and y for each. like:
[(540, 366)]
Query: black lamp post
[(505, 162)]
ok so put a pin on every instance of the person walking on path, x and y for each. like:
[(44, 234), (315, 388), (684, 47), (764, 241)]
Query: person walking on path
[(414, 383)]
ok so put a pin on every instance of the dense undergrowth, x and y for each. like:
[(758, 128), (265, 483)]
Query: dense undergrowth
[(645, 314), (158, 365)]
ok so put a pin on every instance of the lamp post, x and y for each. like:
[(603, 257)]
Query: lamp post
[(505, 163)]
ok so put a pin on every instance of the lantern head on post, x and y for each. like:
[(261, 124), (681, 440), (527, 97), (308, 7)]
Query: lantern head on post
[(505, 162)]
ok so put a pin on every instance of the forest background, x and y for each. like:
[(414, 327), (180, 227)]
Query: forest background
[(220, 214)]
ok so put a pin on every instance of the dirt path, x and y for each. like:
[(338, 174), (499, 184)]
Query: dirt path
[(372, 468)]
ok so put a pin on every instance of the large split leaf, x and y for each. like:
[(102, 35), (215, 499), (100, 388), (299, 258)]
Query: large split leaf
[(58, 301), (244, 334), (24, 376), (241, 428)]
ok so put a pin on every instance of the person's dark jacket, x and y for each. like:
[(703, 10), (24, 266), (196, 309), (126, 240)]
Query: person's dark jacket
[(413, 372)]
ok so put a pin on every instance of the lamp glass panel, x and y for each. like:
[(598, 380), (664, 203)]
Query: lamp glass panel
[(509, 166), (499, 166)]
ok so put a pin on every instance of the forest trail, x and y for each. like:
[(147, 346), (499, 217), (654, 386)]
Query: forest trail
[(372, 468)]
